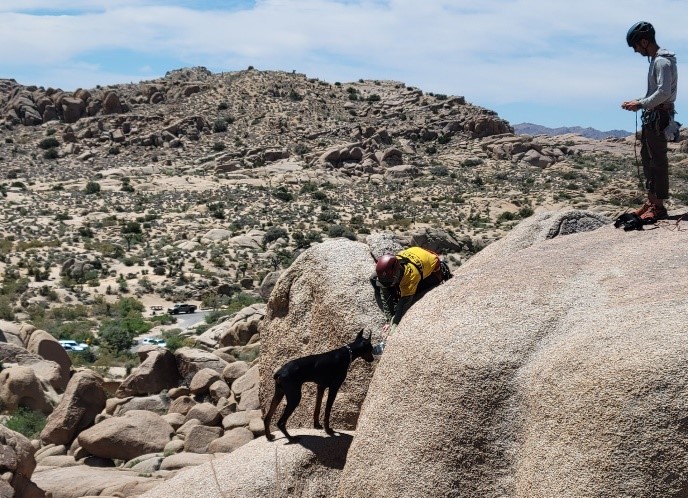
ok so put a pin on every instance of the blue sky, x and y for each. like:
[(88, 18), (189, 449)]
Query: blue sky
[(555, 63)]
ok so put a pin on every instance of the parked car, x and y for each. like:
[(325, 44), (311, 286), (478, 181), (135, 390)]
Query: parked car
[(70, 345), (182, 308), (153, 341)]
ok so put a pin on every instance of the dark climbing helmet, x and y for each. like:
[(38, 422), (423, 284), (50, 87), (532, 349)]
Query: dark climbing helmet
[(386, 268), (640, 31)]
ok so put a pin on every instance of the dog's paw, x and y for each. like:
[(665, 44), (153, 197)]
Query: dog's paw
[(317, 425), (269, 437), (329, 431)]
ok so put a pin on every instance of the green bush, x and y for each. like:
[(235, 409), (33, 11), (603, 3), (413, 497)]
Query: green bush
[(92, 188), (340, 231), (51, 154), (274, 233), (294, 96), (173, 339), (283, 194), (27, 422), (48, 143), (220, 125)]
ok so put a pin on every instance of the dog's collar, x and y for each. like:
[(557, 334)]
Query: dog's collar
[(351, 354)]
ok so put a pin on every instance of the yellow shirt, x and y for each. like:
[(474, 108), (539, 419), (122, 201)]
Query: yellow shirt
[(425, 260)]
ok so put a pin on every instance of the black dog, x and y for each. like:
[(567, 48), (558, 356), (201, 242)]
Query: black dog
[(629, 221), (327, 370)]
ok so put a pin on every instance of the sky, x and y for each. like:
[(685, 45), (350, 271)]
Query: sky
[(549, 62)]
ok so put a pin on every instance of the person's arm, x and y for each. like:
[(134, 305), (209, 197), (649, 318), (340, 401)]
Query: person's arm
[(402, 307)]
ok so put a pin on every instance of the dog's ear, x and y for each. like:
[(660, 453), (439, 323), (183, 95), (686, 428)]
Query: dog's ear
[(366, 335)]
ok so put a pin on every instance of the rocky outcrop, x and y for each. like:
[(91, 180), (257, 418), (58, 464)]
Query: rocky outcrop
[(20, 386), (536, 360), (319, 303), (260, 468), (243, 326), (17, 464), (157, 372), (48, 372)]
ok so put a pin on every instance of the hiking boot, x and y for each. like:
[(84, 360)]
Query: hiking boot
[(643, 209), (654, 213)]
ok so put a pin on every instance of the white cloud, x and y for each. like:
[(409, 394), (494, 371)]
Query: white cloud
[(498, 51)]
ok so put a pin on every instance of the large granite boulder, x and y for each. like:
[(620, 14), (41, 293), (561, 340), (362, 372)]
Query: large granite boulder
[(77, 410), (135, 433), (318, 304), (538, 374), (20, 386), (17, 464), (47, 347), (157, 372), (190, 361), (309, 469), (47, 371)]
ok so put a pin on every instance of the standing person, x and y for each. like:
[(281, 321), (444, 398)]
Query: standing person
[(402, 279), (658, 122)]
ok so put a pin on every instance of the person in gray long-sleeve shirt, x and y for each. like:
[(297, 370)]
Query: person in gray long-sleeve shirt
[(658, 118)]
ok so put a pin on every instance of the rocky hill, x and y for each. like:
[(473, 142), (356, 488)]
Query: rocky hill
[(534, 129), (198, 179)]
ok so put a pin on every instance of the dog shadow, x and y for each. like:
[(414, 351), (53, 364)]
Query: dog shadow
[(323, 447)]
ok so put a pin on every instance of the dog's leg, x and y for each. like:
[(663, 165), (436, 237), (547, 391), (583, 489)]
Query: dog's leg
[(293, 400), (277, 397), (318, 404), (331, 395)]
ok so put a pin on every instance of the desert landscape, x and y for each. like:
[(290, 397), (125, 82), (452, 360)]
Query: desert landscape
[(221, 190)]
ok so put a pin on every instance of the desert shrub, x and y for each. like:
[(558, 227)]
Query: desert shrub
[(439, 170), (274, 233), (301, 149), (283, 194), (48, 143), (173, 339), (319, 195), (218, 146), (526, 211), (28, 422), (92, 188), (6, 311), (373, 98), (328, 216), (467, 163), (222, 106), (506, 216), (220, 125), (51, 154), (294, 96), (340, 231)]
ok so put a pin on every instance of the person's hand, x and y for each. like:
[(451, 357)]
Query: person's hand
[(631, 105), (384, 328)]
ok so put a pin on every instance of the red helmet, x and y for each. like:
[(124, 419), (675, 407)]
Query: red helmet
[(387, 268)]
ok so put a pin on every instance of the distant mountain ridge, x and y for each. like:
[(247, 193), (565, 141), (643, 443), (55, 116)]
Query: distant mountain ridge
[(534, 129)]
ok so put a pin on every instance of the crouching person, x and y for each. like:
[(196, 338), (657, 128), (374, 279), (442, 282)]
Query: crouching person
[(402, 279)]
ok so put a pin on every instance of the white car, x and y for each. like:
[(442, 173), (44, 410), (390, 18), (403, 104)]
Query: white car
[(70, 345), (153, 341)]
